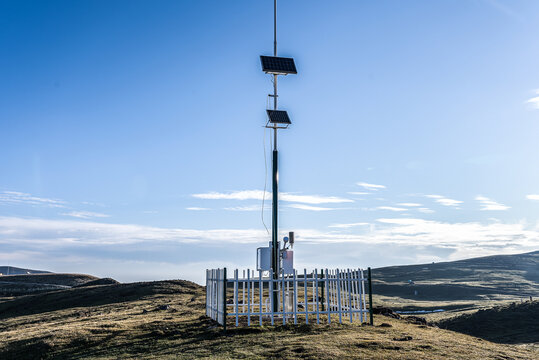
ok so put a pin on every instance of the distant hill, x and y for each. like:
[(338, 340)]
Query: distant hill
[(510, 324), (11, 270), (15, 285), (102, 281), (499, 277)]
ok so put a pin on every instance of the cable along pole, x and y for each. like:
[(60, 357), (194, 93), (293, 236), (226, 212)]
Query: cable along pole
[(277, 119), (275, 178)]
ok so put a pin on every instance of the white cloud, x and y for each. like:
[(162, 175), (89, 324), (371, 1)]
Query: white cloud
[(234, 195), (347, 226), (490, 205), (409, 204), (358, 193), (247, 208), (425, 210), (404, 231), (532, 197), (40, 240), (259, 195), (195, 208), (445, 201), (310, 208), (391, 208), (72, 232), (370, 186), (470, 236), (313, 199), (85, 214), (534, 101), (15, 197)]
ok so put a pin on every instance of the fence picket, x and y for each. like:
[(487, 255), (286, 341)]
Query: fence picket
[(295, 299), (338, 276), (317, 297), (283, 310), (236, 300), (348, 279), (341, 291), (248, 298), (305, 297), (271, 282), (260, 294)]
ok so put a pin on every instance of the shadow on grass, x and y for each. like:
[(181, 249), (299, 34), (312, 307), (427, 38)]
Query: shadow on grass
[(512, 324), (92, 296)]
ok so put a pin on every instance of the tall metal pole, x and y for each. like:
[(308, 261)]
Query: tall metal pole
[(275, 177)]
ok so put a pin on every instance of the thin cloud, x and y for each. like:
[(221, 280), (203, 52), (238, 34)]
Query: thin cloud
[(370, 186), (409, 204), (425, 210), (195, 208), (445, 201), (72, 232), (347, 226), (313, 199), (234, 195), (20, 198), (490, 205), (534, 101), (259, 195), (358, 193), (310, 207), (463, 239), (532, 197), (246, 208), (391, 208), (85, 214)]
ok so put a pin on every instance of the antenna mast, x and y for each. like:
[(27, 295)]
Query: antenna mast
[(277, 119)]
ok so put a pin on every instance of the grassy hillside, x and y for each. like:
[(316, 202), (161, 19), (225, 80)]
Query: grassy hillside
[(514, 323), (471, 282), (14, 285), (165, 319)]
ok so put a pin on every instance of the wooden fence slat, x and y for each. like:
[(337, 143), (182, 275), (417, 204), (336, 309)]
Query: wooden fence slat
[(283, 310), (271, 282), (248, 297), (345, 294), (305, 297), (339, 295), (317, 297), (260, 294), (364, 313), (350, 307), (236, 300), (294, 297), (328, 296)]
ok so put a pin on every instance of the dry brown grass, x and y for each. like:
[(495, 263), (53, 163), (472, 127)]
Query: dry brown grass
[(124, 321)]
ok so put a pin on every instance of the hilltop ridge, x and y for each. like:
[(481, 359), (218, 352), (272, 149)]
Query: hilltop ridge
[(489, 278), (12, 270)]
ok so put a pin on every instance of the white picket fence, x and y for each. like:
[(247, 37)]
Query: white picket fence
[(326, 296), (216, 295)]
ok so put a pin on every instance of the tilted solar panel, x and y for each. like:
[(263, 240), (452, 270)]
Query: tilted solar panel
[(278, 117), (278, 65)]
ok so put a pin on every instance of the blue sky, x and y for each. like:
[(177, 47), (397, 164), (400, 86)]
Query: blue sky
[(132, 137)]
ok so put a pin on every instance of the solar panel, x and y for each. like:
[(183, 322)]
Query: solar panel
[(278, 65), (278, 117)]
